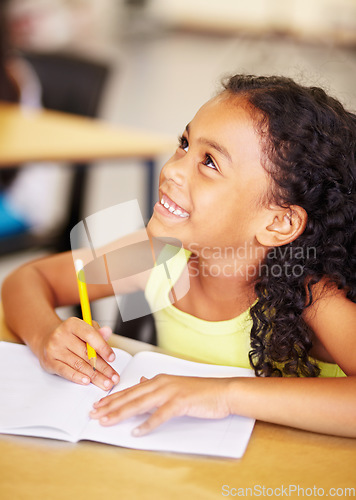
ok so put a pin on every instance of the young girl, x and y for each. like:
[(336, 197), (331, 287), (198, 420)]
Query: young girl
[(261, 192)]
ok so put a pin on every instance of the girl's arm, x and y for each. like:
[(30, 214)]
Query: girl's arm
[(319, 405), (30, 296), (326, 405)]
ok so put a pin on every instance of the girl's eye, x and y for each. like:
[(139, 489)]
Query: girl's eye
[(183, 143), (209, 162)]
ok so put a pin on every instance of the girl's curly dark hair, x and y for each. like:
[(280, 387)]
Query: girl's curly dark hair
[(309, 149)]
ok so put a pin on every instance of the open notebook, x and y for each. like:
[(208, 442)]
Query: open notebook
[(35, 403)]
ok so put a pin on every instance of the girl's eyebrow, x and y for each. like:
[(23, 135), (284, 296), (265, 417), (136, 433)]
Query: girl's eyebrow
[(213, 145)]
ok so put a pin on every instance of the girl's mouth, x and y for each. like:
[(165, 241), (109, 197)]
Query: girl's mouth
[(172, 207)]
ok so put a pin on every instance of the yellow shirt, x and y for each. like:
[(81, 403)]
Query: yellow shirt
[(218, 342)]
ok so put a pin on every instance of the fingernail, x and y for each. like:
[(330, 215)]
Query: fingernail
[(136, 432), (85, 380), (107, 383), (104, 419), (112, 357), (93, 412), (115, 378)]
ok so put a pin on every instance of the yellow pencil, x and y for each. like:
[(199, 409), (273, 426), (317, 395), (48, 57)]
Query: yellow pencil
[(84, 303)]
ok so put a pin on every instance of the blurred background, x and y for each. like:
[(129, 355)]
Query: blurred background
[(156, 62)]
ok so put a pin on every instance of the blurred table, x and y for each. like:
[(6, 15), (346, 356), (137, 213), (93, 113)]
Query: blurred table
[(28, 135), (279, 461)]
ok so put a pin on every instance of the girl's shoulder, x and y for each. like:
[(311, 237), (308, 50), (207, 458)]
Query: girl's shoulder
[(332, 318)]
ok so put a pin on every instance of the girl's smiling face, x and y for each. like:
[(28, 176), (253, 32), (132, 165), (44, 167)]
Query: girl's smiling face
[(211, 191)]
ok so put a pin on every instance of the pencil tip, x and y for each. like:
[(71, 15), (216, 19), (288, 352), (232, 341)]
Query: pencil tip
[(92, 362)]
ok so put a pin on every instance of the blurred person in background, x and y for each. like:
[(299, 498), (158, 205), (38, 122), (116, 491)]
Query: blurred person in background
[(32, 197), (50, 25), (27, 194)]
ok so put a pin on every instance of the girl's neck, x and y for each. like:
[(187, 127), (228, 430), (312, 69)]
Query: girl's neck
[(220, 289), (224, 280)]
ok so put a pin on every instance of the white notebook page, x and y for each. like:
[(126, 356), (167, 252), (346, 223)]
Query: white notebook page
[(34, 402), (223, 437)]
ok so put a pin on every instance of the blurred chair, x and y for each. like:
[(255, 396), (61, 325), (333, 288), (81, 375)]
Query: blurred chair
[(73, 85), (143, 328)]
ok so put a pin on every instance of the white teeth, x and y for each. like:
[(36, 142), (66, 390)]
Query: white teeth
[(173, 211)]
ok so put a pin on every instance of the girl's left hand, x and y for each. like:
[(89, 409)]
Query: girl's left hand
[(170, 396)]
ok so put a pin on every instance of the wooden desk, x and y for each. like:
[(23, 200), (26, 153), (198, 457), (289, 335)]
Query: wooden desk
[(39, 135), (34, 468)]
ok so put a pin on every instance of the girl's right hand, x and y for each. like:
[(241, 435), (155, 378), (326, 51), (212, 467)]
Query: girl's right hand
[(64, 352)]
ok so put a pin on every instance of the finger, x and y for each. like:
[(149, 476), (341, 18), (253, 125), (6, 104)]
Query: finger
[(77, 347), (106, 332), (70, 373), (118, 410), (100, 345), (124, 396), (104, 376), (108, 371), (159, 417), (88, 334), (98, 379), (84, 369), (96, 325)]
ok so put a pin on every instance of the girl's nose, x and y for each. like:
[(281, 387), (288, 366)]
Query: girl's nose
[(176, 171)]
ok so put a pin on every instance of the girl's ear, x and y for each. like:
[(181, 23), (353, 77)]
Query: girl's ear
[(286, 225)]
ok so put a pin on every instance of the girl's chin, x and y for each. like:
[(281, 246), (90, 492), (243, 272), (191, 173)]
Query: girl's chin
[(156, 229)]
